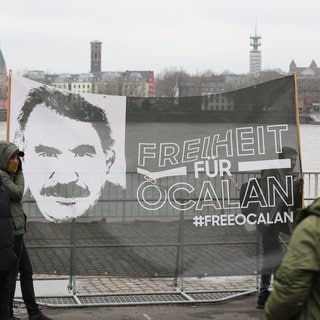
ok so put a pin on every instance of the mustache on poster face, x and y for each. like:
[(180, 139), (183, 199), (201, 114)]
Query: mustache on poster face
[(65, 190)]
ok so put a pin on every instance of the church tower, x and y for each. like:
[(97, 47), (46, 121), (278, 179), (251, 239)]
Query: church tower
[(96, 56), (255, 53)]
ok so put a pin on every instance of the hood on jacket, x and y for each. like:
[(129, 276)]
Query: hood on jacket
[(312, 209), (7, 149)]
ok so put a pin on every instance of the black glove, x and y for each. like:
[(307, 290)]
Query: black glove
[(19, 165), (298, 186), (297, 193)]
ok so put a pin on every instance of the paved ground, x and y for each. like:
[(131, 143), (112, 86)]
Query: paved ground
[(141, 249)]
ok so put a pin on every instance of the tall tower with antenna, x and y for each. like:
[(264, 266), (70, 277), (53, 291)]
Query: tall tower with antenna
[(255, 53)]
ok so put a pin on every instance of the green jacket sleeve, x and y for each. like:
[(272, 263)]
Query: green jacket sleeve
[(14, 185), (297, 273)]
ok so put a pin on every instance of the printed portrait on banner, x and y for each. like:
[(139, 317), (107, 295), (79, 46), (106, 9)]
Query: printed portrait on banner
[(74, 145)]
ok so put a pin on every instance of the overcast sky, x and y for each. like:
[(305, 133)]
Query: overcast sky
[(195, 35)]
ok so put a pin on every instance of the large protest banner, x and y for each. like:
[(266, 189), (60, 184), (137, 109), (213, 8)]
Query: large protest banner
[(162, 176)]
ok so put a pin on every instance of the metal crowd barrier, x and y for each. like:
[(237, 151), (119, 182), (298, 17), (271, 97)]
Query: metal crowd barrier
[(125, 210)]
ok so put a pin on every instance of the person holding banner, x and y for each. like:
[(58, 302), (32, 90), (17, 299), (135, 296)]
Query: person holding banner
[(296, 293), (13, 182), (69, 161), (271, 243)]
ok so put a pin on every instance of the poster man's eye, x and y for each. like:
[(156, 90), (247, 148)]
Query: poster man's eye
[(84, 150), (45, 151)]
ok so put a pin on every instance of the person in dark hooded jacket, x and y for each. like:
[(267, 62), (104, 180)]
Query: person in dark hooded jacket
[(7, 254), (13, 182), (271, 243)]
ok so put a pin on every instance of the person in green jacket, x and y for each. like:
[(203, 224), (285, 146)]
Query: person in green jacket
[(296, 293), (13, 183)]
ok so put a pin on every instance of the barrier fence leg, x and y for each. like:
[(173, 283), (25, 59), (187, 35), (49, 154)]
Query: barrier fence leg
[(180, 251), (257, 259), (72, 277)]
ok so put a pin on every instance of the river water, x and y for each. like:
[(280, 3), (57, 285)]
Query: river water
[(310, 147)]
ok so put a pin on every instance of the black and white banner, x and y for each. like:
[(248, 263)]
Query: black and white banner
[(164, 156)]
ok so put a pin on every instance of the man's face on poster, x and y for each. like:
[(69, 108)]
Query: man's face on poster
[(65, 166)]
